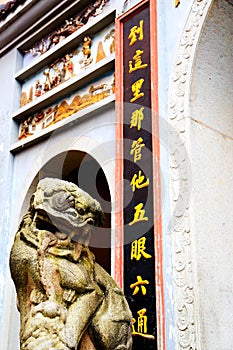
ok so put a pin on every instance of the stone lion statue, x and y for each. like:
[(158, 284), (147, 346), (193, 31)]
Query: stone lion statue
[(66, 300)]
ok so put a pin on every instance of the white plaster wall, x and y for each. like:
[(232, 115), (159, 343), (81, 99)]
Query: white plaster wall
[(211, 101), (7, 93)]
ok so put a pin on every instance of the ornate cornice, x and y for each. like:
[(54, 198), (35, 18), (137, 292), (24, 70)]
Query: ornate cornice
[(186, 323), (7, 7)]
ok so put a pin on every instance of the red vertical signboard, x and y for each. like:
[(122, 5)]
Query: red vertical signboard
[(138, 223)]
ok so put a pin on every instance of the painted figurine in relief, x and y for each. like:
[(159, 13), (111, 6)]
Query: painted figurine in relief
[(68, 68), (47, 82), (24, 129), (38, 88), (66, 300), (57, 76), (53, 39), (111, 35), (69, 27), (86, 50)]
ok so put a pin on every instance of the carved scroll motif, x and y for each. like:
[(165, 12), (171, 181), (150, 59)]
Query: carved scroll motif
[(180, 180)]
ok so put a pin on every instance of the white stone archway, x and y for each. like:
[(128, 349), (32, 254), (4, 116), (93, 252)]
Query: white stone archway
[(200, 299)]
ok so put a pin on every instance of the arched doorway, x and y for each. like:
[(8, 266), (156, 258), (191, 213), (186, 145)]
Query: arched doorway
[(83, 170)]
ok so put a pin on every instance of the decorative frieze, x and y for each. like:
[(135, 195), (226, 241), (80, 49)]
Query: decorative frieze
[(58, 81), (70, 26), (91, 50), (85, 97)]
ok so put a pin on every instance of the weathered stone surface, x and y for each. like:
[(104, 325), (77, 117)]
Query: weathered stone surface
[(66, 300)]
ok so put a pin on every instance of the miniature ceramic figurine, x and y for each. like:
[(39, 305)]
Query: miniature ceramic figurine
[(66, 300)]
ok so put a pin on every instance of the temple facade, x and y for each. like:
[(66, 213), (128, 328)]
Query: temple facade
[(131, 101)]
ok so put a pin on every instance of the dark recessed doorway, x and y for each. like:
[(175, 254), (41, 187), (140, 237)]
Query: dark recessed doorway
[(83, 170)]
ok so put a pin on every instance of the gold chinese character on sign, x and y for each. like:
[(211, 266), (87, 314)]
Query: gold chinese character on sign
[(136, 90), (137, 118), (139, 214), (142, 325), (177, 2), (136, 33), (138, 249), (136, 149), (138, 182), (140, 282), (138, 64)]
